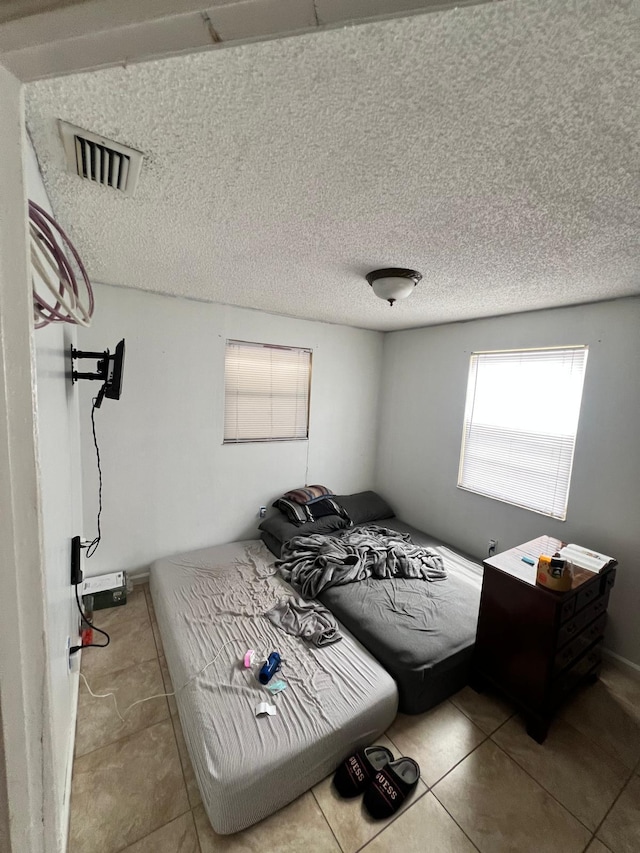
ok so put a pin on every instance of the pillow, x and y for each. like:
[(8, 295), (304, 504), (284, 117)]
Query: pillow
[(324, 507), (296, 513), (272, 543), (307, 494), (282, 529), (364, 507)]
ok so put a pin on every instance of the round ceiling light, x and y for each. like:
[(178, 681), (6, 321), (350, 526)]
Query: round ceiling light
[(393, 283)]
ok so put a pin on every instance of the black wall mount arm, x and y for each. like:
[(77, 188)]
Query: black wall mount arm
[(102, 370)]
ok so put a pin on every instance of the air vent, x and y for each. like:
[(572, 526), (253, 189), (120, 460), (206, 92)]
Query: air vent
[(100, 160)]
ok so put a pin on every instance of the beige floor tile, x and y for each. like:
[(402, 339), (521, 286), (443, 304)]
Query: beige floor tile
[(98, 722), (348, 819), (424, 828), (437, 739), (168, 686), (597, 847), (154, 621), (156, 630), (580, 775), (621, 829), (179, 836), (598, 712), (503, 810), (126, 790), (299, 827), (486, 710), (131, 638), (623, 683), (189, 776)]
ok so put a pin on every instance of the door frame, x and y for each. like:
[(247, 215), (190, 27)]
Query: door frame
[(24, 687)]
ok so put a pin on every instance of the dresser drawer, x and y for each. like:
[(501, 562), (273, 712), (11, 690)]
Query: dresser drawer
[(573, 627), (568, 608), (569, 653), (590, 592), (570, 677)]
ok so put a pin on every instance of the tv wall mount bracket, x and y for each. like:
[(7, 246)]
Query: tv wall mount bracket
[(102, 368), (109, 369)]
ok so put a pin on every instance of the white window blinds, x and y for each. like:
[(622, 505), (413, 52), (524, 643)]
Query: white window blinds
[(520, 425), (266, 392)]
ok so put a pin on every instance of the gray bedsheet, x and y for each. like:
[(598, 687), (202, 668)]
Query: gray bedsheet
[(422, 633), (211, 603)]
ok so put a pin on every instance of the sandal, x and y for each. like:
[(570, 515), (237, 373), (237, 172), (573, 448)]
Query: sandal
[(357, 771), (390, 787)]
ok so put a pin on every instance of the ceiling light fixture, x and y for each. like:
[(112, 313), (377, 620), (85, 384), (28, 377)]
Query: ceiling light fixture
[(393, 283)]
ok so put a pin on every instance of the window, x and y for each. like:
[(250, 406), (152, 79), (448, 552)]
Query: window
[(520, 425), (266, 392)]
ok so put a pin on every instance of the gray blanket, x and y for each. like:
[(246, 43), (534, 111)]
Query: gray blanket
[(306, 619), (316, 562)]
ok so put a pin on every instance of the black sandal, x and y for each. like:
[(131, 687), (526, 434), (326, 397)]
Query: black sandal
[(357, 771), (390, 787)]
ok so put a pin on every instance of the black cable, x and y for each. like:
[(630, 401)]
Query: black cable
[(74, 649), (93, 546)]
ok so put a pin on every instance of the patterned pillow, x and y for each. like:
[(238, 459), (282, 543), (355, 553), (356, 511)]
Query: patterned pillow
[(307, 494), (325, 507), (295, 512)]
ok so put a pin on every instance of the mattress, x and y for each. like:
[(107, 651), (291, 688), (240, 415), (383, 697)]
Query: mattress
[(422, 633), (210, 604)]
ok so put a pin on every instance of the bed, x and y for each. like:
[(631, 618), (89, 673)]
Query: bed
[(211, 602), (422, 633)]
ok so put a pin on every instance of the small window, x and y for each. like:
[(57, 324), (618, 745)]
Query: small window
[(520, 425), (266, 392)]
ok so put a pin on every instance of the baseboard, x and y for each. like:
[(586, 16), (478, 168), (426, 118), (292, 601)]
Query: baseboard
[(138, 578), (625, 661), (66, 803)]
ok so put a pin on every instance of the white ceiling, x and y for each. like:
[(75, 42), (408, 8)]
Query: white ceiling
[(495, 148)]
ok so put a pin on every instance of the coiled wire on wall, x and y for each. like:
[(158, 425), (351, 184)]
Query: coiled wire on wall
[(52, 263)]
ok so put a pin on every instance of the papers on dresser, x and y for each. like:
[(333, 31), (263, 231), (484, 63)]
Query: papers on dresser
[(585, 558)]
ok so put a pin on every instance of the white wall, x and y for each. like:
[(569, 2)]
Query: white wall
[(422, 407), (169, 482), (61, 507)]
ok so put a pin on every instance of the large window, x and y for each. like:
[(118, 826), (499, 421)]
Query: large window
[(266, 392), (520, 426)]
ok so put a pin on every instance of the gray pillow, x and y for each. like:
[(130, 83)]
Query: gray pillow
[(272, 543), (282, 529), (364, 506)]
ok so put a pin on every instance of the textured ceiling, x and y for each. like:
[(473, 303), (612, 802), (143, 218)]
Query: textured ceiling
[(495, 148)]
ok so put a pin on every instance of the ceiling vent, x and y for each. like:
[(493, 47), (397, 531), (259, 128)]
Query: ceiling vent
[(100, 160)]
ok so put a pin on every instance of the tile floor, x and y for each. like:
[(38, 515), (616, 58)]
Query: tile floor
[(486, 786)]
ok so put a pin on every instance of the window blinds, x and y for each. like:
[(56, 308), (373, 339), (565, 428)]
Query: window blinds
[(520, 425), (266, 392)]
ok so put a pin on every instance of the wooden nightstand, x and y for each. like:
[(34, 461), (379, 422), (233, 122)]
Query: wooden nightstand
[(533, 644)]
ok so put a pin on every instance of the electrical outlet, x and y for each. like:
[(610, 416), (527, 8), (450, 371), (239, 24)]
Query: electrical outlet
[(491, 547), (262, 512)]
